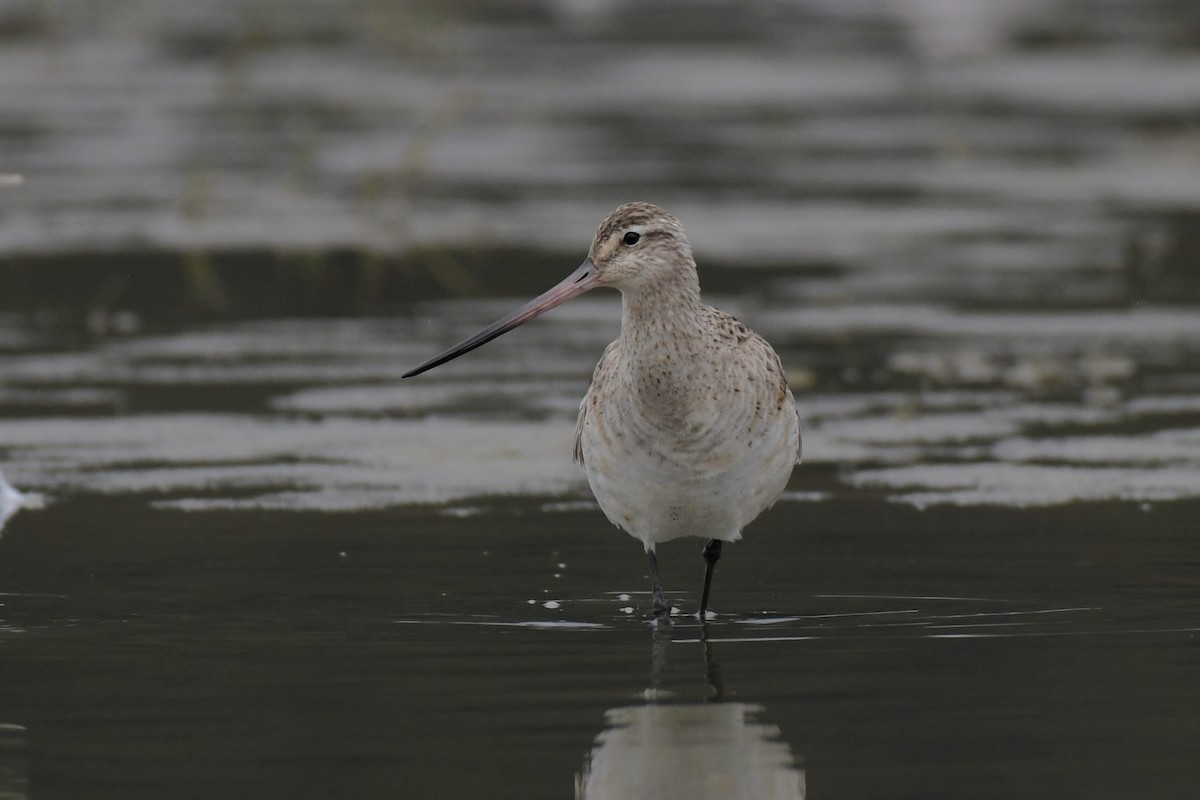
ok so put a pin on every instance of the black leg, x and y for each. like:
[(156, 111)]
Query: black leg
[(662, 609), (712, 670), (712, 554), (658, 657)]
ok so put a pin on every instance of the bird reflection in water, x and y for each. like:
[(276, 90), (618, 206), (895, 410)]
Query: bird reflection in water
[(689, 751), (14, 762)]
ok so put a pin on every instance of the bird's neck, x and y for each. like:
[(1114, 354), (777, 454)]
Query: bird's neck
[(662, 351), (661, 314)]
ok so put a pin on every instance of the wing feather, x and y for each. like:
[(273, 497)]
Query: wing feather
[(602, 367)]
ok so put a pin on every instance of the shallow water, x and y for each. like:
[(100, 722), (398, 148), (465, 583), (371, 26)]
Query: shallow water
[(240, 557), (285, 654)]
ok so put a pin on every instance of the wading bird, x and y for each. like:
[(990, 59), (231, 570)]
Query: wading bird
[(688, 427)]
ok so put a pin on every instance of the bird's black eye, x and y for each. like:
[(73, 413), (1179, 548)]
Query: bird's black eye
[(631, 238)]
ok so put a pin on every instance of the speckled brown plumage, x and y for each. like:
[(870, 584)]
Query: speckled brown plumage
[(688, 427)]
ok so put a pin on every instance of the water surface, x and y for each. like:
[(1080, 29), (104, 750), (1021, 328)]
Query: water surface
[(240, 557)]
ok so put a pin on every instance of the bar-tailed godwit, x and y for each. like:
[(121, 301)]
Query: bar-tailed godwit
[(688, 427)]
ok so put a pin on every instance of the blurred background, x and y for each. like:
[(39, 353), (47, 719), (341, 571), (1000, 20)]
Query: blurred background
[(245, 158), (245, 207), (241, 557)]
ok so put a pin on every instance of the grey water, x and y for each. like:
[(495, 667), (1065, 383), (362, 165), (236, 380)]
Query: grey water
[(240, 557)]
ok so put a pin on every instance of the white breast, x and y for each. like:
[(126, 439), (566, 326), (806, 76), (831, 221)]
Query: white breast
[(704, 461)]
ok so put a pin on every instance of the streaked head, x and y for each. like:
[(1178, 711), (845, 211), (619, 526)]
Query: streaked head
[(637, 245)]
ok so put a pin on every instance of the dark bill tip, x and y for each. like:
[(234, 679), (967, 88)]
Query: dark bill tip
[(581, 280)]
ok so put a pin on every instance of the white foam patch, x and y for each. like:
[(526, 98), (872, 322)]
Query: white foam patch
[(345, 367), (930, 428), (858, 404), (1090, 82), (804, 497), (1153, 325), (333, 464), (60, 398), (464, 512), (309, 353), (1169, 404), (1022, 485), (12, 501), (908, 430), (99, 368), (563, 625), (1015, 368), (1161, 447), (273, 339), (560, 397), (826, 447), (1056, 414), (569, 506)]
